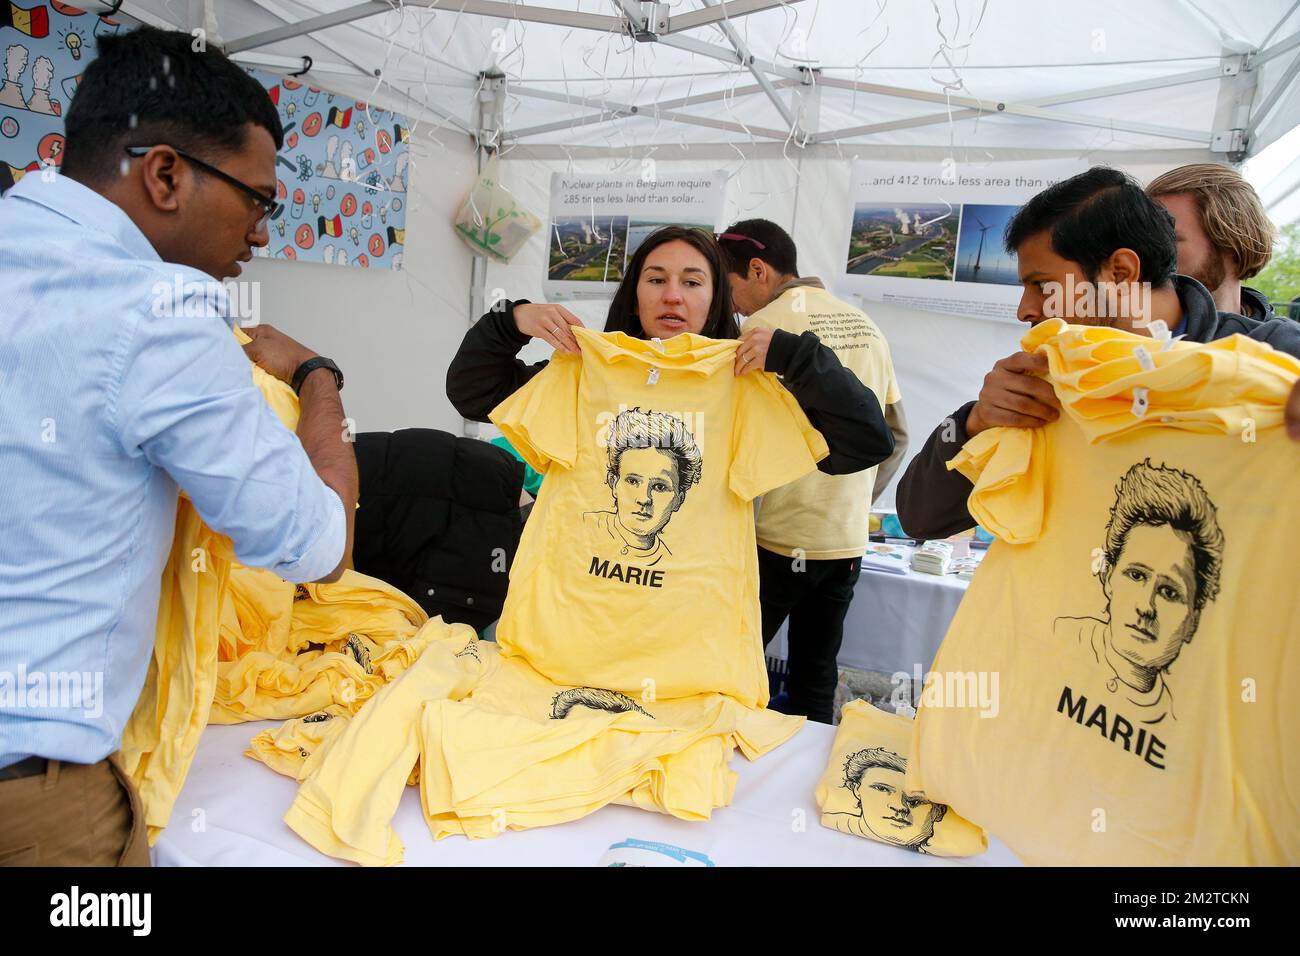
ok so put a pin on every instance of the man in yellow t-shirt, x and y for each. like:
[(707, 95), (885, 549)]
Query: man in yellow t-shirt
[(812, 533)]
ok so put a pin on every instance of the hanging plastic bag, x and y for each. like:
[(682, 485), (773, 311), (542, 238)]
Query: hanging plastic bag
[(491, 222)]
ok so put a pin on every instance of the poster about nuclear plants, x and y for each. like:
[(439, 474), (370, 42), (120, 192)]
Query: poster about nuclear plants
[(342, 173), (599, 221), (928, 235)]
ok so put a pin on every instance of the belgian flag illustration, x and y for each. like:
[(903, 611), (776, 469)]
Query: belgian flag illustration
[(396, 237), (11, 174), (401, 134), (329, 227), (34, 22), (340, 118)]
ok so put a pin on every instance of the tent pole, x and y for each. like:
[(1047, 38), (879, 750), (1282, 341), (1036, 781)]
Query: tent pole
[(608, 112), (310, 25), (747, 59), (623, 109), (728, 11), (1277, 26), (489, 109), (477, 289), (1092, 93)]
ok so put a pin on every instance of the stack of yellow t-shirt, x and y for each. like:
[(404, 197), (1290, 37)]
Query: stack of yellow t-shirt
[(1139, 612), (329, 644), (862, 790), (630, 663), (235, 643), (495, 746)]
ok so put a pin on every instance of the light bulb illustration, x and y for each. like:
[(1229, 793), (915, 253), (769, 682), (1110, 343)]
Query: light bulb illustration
[(383, 213), (291, 109), (355, 236), (73, 43), (315, 202)]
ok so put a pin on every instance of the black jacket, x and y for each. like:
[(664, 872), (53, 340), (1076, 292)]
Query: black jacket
[(439, 519), (485, 372), (1256, 304), (932, 500)]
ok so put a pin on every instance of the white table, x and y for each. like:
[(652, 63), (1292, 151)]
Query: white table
[(229, 814), (895, 623)]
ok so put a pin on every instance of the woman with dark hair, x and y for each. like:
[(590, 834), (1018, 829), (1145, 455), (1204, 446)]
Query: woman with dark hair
[(676, 282)]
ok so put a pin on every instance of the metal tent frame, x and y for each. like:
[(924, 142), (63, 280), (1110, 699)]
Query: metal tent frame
[(1236, 124)]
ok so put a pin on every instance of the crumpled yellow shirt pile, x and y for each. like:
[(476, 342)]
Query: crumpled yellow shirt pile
[(495, 746), (1139, 614), (235, 644)]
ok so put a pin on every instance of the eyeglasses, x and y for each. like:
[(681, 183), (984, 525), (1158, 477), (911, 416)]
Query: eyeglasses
[(270, 208), (738, 237)]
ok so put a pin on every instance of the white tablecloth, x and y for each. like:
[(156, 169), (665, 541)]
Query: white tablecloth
[(229, 814), (895, 623)]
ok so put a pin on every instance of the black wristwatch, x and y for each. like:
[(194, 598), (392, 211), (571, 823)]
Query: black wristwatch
[(310, 366)]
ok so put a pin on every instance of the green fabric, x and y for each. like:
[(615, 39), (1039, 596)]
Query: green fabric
[(532, 479)]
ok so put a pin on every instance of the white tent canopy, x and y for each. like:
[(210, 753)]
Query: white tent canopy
[(781, 96), (1111, 77)]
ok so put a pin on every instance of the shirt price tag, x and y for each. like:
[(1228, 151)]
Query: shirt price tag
[(1140, 403)]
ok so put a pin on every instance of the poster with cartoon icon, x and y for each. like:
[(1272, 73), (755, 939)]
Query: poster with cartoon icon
[(342, 178), (45, 48), (342, 170)]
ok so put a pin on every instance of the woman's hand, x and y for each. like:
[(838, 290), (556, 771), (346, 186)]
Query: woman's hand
[(549, 323), (751, 354)]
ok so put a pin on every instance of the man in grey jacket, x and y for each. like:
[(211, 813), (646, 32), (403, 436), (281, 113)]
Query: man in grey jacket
[(1095, 228)]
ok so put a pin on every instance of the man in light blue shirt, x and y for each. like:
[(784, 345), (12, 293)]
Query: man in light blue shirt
[(116, 394)]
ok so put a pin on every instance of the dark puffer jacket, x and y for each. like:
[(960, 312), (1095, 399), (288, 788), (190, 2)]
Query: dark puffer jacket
[(439, 519)]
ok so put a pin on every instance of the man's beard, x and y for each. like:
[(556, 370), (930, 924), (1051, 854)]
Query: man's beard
[(1210, 273)]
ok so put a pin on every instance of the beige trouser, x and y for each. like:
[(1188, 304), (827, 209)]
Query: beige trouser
[(72, 815)]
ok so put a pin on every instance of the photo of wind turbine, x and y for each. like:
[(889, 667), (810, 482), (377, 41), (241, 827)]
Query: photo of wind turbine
[(981, 255)]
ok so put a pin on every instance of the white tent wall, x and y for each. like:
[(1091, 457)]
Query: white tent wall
[(392, 333), (940, 359)]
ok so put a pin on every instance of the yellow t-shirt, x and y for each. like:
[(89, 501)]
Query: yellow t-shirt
[(235, 643), (520, 751), (825, 516), (345, 805), (1139, 614), (162, 733), (862, 790), (500, 747), (638, 563)]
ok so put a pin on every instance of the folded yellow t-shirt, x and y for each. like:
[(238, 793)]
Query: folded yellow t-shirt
[(862, 791)]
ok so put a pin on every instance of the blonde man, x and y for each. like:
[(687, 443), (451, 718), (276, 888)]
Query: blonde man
[(1224, 235)]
